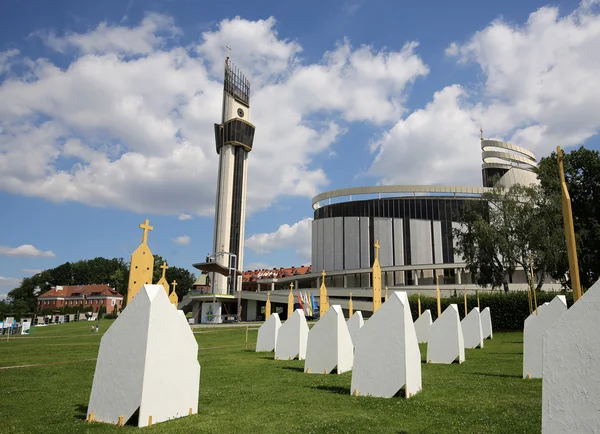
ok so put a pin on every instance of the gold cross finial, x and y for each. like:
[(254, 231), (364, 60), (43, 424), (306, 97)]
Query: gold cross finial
[(174, 284), (291, 285), (377, 246), (164, 268), (146, 227), (323, 274)]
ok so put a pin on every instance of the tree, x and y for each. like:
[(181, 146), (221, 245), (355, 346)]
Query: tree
[(25, 294), (582, 176), (114, 272), (184, 278), (505, 231)]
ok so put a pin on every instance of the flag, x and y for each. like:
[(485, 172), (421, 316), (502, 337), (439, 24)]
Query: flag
[(300, 302), (306, 304), (313, 303)]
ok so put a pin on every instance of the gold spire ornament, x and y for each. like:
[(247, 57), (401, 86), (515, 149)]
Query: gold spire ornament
[(569, 229), (466, 309), (173, 295), (533, 283), (376, 279), (163, 279), (290, 302), (141, 267), (437, 290), (323, 301), (350, 307), (268, 306), (419, 303)]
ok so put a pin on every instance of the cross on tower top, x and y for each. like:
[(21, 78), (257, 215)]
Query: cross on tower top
[(291, 285), (174, 284), (164, 268), (323, 274), (146, 227), (228, 50), (377, 246)]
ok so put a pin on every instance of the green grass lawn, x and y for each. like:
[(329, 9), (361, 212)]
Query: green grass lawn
[(246, 392)]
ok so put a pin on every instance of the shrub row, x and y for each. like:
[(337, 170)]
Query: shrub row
[(508, 310)]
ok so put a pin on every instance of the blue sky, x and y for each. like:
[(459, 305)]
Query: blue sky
[(106, 112)]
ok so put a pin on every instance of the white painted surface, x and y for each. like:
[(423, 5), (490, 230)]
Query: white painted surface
[(292, 337), (211, 313), (422, 326), (267, 333), (387, 355), (329, 345), (142, 356), (486, 323), (223, 213), (533, 334), (354, 325), (446, 342), (472, 330), (571, 363)]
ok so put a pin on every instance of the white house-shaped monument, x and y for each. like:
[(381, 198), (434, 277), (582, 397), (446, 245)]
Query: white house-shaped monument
[(446, 342), (267, 333), (329, 344), (386, 352), (472, 330), (138, 355), (571, 363), (486, 323), (354, 325), (291, 338), (422, 326), (533, 335)]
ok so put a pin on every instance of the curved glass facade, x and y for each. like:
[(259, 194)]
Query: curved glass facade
[(427, 208), (411, 231)]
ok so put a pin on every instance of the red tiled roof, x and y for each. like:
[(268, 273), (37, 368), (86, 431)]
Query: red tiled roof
[(68, 291), (254, 275)]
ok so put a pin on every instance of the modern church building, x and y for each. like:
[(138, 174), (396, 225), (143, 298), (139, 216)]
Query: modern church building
[(413, 224)]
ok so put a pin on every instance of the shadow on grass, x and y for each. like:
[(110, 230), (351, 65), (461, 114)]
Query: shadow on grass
[(488, 374), (271, 357), (81, 412), (293, 368), (516, 353), (333, 389)]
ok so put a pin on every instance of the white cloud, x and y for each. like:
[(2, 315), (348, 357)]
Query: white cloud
[(141, 127), (106, 38), (31, 271), (540, 90), (25, 250), (184, 216), (183, 240), (3, 297), (6, 59), (297, 237), (9, 281)]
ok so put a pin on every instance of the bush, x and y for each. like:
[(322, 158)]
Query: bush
[(508, 310)]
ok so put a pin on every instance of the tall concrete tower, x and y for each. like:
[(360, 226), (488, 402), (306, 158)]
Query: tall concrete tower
[(234, 137)]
